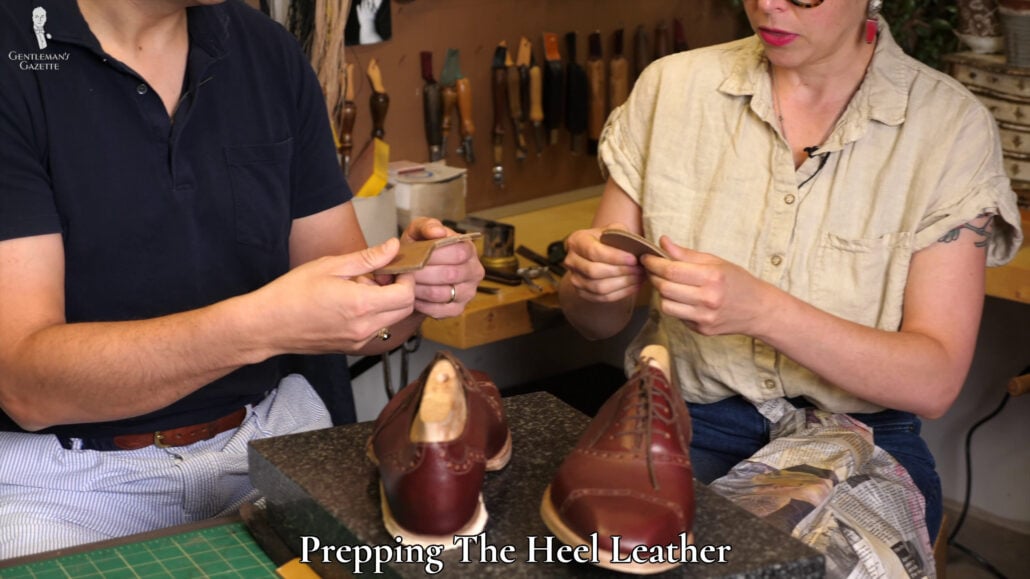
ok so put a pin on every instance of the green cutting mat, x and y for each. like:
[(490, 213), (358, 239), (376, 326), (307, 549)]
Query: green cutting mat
[(223, 551)]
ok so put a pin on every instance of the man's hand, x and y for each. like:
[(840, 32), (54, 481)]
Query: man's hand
[(711, 295), (600, 273), (448, 282), (332, 304)]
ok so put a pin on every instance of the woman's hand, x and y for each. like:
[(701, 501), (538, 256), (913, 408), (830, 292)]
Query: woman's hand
[(600, 273), (448, 281), (710, 294)]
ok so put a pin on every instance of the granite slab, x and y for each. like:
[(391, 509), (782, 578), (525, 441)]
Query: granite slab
[(320, 487)]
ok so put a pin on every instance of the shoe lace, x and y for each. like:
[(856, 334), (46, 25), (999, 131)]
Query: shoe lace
[(639, 413)]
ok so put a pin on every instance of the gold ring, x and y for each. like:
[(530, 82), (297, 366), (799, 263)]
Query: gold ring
[(384, 334), (454, 294)]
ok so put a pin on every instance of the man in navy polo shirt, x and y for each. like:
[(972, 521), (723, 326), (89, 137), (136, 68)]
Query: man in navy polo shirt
[(169, 194)]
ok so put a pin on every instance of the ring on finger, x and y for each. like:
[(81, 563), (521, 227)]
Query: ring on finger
[(384, 334), (454, 294)]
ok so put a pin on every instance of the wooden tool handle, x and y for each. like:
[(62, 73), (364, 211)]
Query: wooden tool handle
[(597, 84), (432, 108), (464, 91), (536, 94), (1019, 385), (375, 76), (500, 89), (348, 91), (379, 103), (449, 99), (347, 126), (618, 69), (514, 93)]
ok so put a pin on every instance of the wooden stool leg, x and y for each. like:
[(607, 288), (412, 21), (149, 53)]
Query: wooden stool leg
[(940, 549)]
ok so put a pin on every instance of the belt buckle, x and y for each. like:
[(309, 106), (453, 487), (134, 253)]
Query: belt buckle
[(159, 440)]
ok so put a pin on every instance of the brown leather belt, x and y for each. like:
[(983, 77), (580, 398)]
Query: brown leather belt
[(182, 436)]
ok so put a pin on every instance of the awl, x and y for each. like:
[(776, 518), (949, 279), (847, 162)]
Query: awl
[(348, 112), (515, 105), (618, 74), (554, 86), (379, 101)]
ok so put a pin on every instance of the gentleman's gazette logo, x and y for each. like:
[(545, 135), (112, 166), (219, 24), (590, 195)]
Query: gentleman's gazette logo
[(39, 60)]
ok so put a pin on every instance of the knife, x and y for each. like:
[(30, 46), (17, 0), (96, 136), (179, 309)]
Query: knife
[(448, 96), (499, 85), (348, 112), (526, 65), (641, 51), (466, 127), (432, 108), (515, 105), (576, 97), (554, 86), (618, 74), (379, 101), (597, 84)]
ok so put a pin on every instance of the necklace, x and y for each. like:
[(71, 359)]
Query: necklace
[(778, 110)]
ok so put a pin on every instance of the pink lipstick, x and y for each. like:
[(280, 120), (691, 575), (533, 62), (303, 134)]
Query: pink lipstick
[(776, 37)]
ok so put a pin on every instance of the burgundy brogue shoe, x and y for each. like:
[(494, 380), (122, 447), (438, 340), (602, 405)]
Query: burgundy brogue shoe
[(627, 487), (433, 443)]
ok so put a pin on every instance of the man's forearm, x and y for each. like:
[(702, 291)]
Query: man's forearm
[(92, 372)]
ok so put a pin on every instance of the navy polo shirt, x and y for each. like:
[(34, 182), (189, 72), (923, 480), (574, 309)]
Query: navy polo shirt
[(161, 215)]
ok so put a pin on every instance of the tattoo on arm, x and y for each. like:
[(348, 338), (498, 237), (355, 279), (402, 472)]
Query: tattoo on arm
[(983, 232)]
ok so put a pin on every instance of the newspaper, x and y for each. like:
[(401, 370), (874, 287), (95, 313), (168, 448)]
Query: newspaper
[(822, 480)]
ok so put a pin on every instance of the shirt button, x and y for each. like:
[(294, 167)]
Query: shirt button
[(769, 383), (776, 260), (142, 88), (789, 199)]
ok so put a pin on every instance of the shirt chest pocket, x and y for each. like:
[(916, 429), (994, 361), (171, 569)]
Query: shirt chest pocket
[(260, 179), (863, 280)]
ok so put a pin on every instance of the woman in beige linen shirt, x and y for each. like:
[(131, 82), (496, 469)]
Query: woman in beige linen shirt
[(829, 206)]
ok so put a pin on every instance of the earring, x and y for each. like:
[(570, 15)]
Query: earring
[(872, 25)]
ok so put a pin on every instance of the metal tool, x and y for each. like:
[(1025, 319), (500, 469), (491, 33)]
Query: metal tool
[(348, 112), (529, 275), (618, 73), (555, 267), (432, 108), (597, 98), (576, 97), (499, 85), (554, 86), (379, 101)]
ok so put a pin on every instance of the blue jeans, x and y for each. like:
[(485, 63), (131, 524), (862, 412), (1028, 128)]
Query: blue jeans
[(731, 430)]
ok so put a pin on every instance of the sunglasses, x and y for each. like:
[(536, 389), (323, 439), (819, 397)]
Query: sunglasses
[(807, 3)]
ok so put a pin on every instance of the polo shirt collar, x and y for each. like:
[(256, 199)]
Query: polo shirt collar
[(882, 97)]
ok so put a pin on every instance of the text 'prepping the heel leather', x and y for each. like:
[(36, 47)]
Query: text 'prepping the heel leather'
[(374, 559)]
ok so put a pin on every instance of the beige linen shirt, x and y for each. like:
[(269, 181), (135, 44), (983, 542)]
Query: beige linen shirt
[(913, 156)]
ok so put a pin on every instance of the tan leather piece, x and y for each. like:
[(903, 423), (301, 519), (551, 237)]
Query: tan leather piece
[(415, 255), (631, 242)]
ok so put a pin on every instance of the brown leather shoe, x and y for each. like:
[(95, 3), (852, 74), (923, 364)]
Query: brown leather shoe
[(629, 475), (433, 443)]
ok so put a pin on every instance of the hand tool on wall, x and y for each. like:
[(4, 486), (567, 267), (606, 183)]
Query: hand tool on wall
[(554, 86), (499, 86), (378, 101), (526, 66), (597, 86), (679, 40), (348, 112), (618, 74), (536, 104), (515, 105), (457, 93), (432, 108), (662, 42), (448, 94), (576, 97), (641, 51)]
